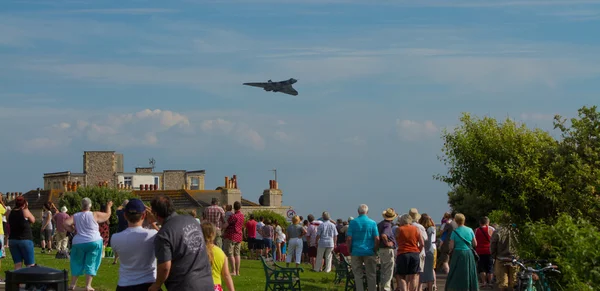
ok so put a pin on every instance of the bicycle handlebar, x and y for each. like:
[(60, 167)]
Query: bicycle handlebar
[(522, 263)]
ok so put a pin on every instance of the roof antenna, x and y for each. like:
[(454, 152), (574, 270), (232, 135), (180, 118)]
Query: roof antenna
[(275, 172), (152, 162)]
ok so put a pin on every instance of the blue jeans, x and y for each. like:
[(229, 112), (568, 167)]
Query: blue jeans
[(22, 250), (269, 244)]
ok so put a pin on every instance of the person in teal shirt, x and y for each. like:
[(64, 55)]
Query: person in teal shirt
[(463, 267), (363, 239)]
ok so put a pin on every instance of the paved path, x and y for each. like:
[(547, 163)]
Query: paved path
[(441, 281)]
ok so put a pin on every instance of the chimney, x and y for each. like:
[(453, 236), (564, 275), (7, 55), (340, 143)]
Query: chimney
[(226, 182), (141, 187)]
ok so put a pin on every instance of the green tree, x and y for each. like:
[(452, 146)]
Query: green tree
[(99, 196), (270, 215), (569, 243), (577, 163), (473, 205), (505, 164)]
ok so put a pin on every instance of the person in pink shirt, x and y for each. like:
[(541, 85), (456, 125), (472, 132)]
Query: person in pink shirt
[(311, 234), (62, 239)]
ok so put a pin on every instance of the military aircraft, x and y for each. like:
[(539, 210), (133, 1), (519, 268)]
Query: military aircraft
[(281, 86)]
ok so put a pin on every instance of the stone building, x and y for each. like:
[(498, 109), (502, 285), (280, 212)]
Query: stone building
[(185, 188), (102, 168)]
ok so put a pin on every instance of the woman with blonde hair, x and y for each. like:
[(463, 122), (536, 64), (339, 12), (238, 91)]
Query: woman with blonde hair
[(295, 232), (410, 243), (428, 275), (218, 261), (463, 268)]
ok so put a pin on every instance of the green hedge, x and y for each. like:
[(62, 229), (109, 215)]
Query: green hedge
[(99, 196), (571, 244), (36, 232), (270, 215)]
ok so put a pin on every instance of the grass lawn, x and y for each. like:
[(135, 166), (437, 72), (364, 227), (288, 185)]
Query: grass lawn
[(252, 277)]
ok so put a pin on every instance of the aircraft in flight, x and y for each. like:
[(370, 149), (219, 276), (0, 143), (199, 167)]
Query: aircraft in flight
[(281, 86)]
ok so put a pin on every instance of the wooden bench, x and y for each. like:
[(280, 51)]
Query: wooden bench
[(280, 278)]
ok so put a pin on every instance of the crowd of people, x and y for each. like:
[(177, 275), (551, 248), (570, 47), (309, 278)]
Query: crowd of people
[(156, 246)]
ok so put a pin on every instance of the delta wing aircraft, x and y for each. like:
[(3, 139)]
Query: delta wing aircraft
[(281, 86)]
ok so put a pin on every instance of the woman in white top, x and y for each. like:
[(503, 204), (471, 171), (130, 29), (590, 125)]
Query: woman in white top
[(86, 249), (46, 230)]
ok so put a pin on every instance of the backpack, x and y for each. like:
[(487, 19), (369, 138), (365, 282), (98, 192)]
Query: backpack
[(62, 255)]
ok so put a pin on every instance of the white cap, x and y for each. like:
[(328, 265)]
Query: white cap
[(63, 209)]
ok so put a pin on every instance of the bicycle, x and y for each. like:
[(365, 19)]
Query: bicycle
[(529, 278)]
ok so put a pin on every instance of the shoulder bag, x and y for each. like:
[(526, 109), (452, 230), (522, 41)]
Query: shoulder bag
[(470, 246)]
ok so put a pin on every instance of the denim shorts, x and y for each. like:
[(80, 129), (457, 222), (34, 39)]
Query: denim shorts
[(22, 250)]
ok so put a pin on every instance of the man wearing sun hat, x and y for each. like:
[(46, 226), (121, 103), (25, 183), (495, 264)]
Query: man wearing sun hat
[(387, 248), (414, 214)]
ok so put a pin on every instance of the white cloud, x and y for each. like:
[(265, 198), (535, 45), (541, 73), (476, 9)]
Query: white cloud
[(129, 11), (44, 144), (411, 130), (537, 116), (282, 136), (356, 140), (62, 125), (144, 128), (239, 132)]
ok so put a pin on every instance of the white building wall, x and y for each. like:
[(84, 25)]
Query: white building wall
[(137, 179)]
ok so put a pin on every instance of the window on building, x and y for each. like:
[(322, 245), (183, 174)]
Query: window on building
[(156, 180), (195, 183), (127, 181)]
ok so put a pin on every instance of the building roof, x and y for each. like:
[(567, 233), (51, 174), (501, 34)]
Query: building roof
[(197, 172), (180, 198), (35, 202), (139, 174), (203, 203), (246, 202), (65, 173), (58, 173)]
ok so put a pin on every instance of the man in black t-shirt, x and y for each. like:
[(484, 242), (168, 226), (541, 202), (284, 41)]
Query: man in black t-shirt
[(181, 254)]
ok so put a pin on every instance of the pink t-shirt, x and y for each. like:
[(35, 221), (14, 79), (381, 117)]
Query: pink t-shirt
[(60, 218)]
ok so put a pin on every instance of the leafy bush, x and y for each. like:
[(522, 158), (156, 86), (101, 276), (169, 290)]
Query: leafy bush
[(270, 215), (568, 243), (99, 196), (36, 232)]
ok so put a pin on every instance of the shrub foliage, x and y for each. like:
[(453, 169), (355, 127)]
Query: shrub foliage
[(270, 215), (99, 196), (497, 168)]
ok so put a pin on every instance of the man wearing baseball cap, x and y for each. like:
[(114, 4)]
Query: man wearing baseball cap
[(135, 246)]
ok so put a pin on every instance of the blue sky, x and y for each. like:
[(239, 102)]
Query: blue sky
[(378, 81)]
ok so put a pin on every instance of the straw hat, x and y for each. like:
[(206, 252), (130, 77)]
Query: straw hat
[(414, 213), (389, 214)]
